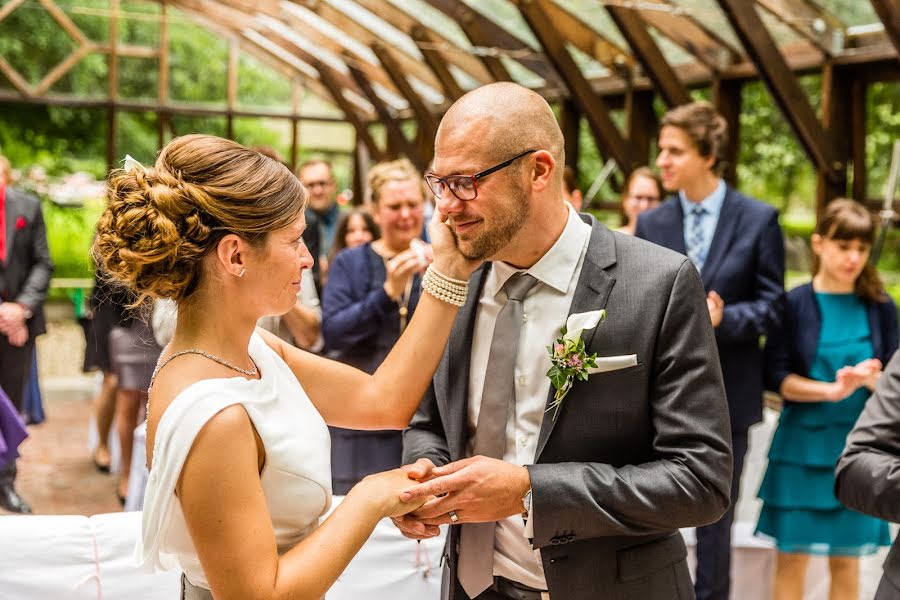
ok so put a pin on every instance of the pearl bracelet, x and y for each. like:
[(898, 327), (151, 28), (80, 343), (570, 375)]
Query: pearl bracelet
[(444, 288)]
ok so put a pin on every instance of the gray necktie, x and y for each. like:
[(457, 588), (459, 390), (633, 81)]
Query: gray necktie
[(476, 544)]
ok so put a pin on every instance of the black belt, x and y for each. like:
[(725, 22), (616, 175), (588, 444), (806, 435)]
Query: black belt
[(514, 590)]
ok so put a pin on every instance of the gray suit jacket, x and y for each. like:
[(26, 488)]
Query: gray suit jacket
[(868, 472), (25, 277), (633, 454)]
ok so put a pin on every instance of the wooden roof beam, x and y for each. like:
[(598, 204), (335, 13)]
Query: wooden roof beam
[(781, 81), (485, 33), (436, 62), (425, 119), (608, 137), (391, 124), (588, 40), (334, 87), (661, 73), (691, 34), (889, 13), (452, 52)]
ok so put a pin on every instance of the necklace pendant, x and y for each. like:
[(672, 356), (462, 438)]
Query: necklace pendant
[(404, 311)]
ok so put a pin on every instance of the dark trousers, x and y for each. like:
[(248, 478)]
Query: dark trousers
[(15, 368), (492, 593), (713, 579), (8, 473)]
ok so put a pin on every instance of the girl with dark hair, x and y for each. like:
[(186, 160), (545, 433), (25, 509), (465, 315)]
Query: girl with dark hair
[(839, 331), (356, 227)]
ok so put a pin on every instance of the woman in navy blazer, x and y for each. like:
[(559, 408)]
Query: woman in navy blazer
[(839, 330), (371, 293)]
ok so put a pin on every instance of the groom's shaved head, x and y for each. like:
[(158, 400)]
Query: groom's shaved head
[(500, 120)]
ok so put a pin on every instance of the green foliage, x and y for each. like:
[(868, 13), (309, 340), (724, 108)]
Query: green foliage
[(70, 232)]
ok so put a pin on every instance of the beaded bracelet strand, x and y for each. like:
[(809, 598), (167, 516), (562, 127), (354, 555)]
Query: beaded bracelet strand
[(444, 288)]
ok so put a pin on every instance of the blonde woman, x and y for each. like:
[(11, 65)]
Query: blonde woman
[(372, 292)]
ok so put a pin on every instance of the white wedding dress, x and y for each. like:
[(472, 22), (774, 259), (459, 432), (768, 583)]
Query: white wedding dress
[(296, 478)]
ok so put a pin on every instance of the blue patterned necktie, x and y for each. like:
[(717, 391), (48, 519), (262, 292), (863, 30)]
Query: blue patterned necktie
[(696, 238)]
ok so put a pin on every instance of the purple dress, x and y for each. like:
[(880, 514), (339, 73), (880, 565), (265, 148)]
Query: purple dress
[(12, 431)]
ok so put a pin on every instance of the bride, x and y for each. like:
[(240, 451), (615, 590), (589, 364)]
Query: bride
[(237, 442)]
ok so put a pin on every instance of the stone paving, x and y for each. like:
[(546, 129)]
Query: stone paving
[(56, 475)]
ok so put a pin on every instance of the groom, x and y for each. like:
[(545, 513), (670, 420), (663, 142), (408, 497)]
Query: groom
[(583, 502)]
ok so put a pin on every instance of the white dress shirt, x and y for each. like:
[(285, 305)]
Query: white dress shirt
[(546, 308)]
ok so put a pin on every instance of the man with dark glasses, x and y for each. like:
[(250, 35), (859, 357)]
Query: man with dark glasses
[(582, 498)]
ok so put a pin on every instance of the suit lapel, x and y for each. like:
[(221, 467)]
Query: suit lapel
[(591, 293), (722, 238), (672, 230), (460, 349)]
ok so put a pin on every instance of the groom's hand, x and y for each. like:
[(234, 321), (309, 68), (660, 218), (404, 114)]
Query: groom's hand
[(477, 489)]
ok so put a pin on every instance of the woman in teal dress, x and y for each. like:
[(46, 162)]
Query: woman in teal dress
[(838, 332)]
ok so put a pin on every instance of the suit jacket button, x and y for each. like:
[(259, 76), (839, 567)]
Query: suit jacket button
[(554, 541), (571, 538)]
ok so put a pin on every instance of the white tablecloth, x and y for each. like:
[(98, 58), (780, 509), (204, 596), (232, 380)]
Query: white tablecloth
[(81, 558)]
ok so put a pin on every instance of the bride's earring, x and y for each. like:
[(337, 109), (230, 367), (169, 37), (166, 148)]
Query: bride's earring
[(241, 274)]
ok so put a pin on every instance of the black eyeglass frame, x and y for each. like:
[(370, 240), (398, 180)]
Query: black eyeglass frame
[(432, 180)]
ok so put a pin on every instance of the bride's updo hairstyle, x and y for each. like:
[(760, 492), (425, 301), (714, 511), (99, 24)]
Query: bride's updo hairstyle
[(160, 222)]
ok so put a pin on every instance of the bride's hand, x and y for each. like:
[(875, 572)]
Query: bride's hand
[(447, 258), (385, 488)]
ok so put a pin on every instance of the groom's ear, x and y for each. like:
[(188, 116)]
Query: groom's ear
[(542, 173)]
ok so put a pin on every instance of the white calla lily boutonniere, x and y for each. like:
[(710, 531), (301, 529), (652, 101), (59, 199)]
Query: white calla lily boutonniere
[(568, 358)]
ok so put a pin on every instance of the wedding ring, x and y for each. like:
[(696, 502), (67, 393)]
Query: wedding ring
[(453, 517)]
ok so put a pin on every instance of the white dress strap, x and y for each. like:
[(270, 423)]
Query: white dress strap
[(175, 434)]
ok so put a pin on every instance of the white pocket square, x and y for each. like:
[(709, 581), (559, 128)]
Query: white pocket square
[(613, 363)]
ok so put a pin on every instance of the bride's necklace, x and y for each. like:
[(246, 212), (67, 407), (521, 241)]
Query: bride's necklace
[(159, 365)]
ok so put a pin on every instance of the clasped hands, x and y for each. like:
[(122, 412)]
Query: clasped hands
[(13, 323), (852, 377), (477, 489)]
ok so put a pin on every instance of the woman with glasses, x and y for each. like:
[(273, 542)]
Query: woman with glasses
[(642, 192), (371, 294)]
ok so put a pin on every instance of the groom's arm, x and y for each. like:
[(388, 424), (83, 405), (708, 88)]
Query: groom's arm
[(689, 482), (425, 436)]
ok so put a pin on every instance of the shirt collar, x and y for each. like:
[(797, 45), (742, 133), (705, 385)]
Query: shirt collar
[(557, 267), (330, 217), (712, 203)]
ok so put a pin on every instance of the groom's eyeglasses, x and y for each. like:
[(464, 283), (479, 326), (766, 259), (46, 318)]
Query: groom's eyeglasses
[(465, 187)]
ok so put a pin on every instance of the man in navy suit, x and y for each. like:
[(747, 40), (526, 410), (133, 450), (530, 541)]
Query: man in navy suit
[(736, 244)]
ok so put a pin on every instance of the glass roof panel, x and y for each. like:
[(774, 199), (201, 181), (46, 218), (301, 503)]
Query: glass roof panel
[(595, 15), (674, 54), (327, 29), (424, 90), (586, 64), (520, 74), (302, 42), (466, 81), (434, 20), (711, 16), (379, 27), (505, 13), (851, 13), (780, 31)]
